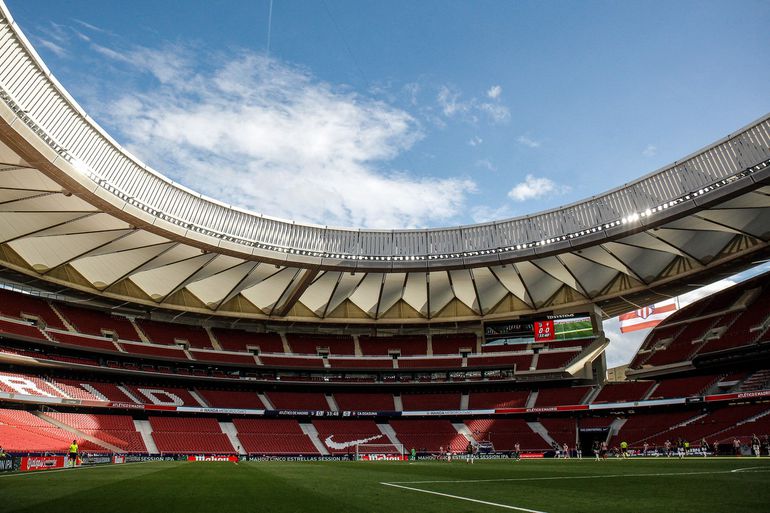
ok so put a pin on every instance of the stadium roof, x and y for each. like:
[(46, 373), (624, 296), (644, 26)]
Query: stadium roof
[(78, 210)]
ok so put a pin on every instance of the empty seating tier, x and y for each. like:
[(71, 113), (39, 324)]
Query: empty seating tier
[(505, 433), (166, 333), (231, 399), (682, 387), (21, 306), (428, 435), (315, 344), (561, 396), (555, 359), (418, 402), (521, 362), (453, 344), (625, 391), (273, 437), (362, 401), (96, 322), (238, 340), (298, 400), (485, 400), (413, 345)]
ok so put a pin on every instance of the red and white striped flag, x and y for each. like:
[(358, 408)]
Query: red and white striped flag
[(647, 317)]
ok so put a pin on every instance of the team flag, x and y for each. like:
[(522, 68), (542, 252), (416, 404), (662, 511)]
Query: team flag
[(647, 317)]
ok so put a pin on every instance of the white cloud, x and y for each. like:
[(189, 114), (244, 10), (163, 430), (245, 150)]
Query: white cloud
[(58, 50), (535, 187), (494, 92), (449, 101), (475, 140), (496, 111), (272, 138), (452, 105), (528, 141), (90, 26), (650, 151), (486, 164), (82, 36), (412, 90), (484, 213)]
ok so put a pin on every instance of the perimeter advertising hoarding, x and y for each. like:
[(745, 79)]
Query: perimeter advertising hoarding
[(382, 457), (213, 458), (32, 463), (543, 329)]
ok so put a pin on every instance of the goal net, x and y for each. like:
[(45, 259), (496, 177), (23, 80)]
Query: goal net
[(379, 452)]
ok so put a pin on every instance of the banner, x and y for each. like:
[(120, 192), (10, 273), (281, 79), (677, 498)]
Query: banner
[(647, 317), (30, 463), (737, 395), (382, 457), (213, 458)]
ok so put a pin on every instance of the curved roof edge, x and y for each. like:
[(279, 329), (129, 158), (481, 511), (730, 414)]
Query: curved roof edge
[(87, 160)]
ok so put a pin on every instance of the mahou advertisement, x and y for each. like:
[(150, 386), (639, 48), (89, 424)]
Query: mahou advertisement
[(213, 458), (382, 457)]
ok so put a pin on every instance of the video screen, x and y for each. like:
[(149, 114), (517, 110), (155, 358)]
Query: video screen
[(546, 328)]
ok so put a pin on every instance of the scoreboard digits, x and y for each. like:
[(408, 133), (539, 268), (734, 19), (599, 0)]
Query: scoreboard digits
[(544, 331)]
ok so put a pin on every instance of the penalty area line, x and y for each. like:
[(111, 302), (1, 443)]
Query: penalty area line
[(458, 497)]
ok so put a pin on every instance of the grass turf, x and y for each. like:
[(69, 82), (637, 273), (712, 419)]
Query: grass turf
[(551, 486)]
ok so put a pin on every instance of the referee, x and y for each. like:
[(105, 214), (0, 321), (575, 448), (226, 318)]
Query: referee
[(72, 457)]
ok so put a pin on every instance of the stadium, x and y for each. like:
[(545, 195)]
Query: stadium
[(205, 356)]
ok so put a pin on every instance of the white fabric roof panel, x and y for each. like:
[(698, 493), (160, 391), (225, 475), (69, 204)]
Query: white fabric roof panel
[(86, 214)]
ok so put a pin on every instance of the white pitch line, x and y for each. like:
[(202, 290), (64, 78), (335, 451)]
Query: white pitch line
[(757, 469), (597, 476), (487, 503)]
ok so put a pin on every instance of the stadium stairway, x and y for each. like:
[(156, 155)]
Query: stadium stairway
[(463, 430), (229, 429), (198, 398), (464, 398), (312, 433), (332, 403), (532, 399), (265, 401), (77, 433), (145, 429), (398, 403), (542, 431), (588, 399), (212, 338), (388, 431), (650, 391), (615, 428), (130, 395)]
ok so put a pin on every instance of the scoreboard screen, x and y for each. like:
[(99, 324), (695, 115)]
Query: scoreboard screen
[(544, 328)]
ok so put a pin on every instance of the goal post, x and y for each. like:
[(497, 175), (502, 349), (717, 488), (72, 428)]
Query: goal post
[(379, 452)]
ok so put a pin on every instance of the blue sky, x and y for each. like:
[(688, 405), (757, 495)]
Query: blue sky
[(407, 114)]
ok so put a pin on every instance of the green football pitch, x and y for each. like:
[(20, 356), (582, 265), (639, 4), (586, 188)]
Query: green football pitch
[(552, 486)]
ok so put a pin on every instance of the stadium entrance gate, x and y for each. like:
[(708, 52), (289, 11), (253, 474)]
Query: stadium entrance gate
[(588, 436)]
